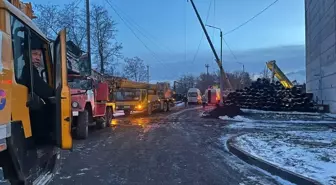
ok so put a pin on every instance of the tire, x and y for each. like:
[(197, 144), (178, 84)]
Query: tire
[(168, 106), (82, 129), (165, 108), (108, 116), (149, 109)]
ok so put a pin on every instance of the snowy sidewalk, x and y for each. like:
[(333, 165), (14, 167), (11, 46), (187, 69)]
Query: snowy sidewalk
[(303, 144), (308, 153)]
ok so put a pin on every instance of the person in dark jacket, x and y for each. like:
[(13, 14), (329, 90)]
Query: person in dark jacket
[(40, 86), (185, 99), (40, 118)]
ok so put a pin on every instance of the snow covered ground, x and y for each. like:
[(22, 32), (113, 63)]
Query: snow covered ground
[(309, 153), (276, 119), (118, 113), (179, 104), (304, 143)]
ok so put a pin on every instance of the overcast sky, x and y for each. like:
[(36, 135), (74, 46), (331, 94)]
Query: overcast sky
[(170, 30)]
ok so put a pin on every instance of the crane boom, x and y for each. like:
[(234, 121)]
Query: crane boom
[(273, 67)]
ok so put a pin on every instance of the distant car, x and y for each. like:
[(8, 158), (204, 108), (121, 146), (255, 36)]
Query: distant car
[(194, 96)]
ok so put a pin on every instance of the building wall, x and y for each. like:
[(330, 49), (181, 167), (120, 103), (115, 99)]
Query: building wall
[(321, 50)]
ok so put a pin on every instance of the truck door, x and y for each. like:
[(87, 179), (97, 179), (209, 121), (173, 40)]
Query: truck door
[(63, 101)]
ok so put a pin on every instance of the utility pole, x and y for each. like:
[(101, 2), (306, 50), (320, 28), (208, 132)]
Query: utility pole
[(207, 68), (88, 35), (147, 73), (219, 62)]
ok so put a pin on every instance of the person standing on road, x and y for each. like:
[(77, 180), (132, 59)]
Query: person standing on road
[(185, 99), (204, 101)]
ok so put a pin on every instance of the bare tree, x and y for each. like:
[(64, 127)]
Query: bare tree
[(238, 79), (52, 18), (204, 81), (135, 69), (105, 47), (184, 83), (73, 18), (48, 19)]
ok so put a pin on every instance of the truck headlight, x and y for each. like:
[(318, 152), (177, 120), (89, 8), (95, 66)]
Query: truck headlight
[(75, 104)]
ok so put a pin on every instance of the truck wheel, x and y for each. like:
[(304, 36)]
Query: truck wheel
[(168, 106), (165, 109), (82, 129), (127, 112), (108, 116), (149, 109)]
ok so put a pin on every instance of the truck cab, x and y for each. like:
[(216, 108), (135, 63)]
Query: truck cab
[(89, 99), (35, 104)]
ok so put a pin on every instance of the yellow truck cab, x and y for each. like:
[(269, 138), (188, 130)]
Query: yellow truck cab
[(139, 96), (34, 125)]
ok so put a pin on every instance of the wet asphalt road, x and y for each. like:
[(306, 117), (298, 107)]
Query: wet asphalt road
[(166, 148)]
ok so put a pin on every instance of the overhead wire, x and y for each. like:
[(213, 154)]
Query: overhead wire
[(133, 32), (199, 45), (249, 20), (234, 56), (141, 30)]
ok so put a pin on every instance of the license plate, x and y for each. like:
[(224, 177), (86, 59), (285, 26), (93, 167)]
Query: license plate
[(127, 106), (75, 113)]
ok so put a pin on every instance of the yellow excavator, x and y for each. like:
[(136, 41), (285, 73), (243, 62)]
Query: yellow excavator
[(33, 127), (276, 71)]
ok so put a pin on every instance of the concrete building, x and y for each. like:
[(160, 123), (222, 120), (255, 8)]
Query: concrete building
[(321, 51)]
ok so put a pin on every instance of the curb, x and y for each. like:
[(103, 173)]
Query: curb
[(271, 168)]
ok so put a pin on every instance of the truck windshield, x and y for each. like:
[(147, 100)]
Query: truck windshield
[(192, 94), (77, 83), (127, 95)]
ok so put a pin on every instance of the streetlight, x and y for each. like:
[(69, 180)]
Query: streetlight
[(221, 37)]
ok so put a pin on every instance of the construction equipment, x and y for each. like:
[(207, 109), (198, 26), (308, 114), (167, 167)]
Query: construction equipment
[(89, 97), (34, 126), (138, 96), (276, 71)]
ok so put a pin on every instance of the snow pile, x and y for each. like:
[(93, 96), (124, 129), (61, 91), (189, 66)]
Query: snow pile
[(236, 118), (278, 112), (180, 104), (309, 153), (118, 113)]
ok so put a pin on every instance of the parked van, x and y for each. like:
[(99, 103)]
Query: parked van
[(194, 96), (212, 95)]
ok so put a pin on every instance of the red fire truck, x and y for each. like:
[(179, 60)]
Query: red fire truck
[(89, 97)]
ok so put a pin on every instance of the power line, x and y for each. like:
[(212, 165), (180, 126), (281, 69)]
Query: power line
[(130, 28), (144, 32), (249, 20), (199, 45), (234, 56)]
